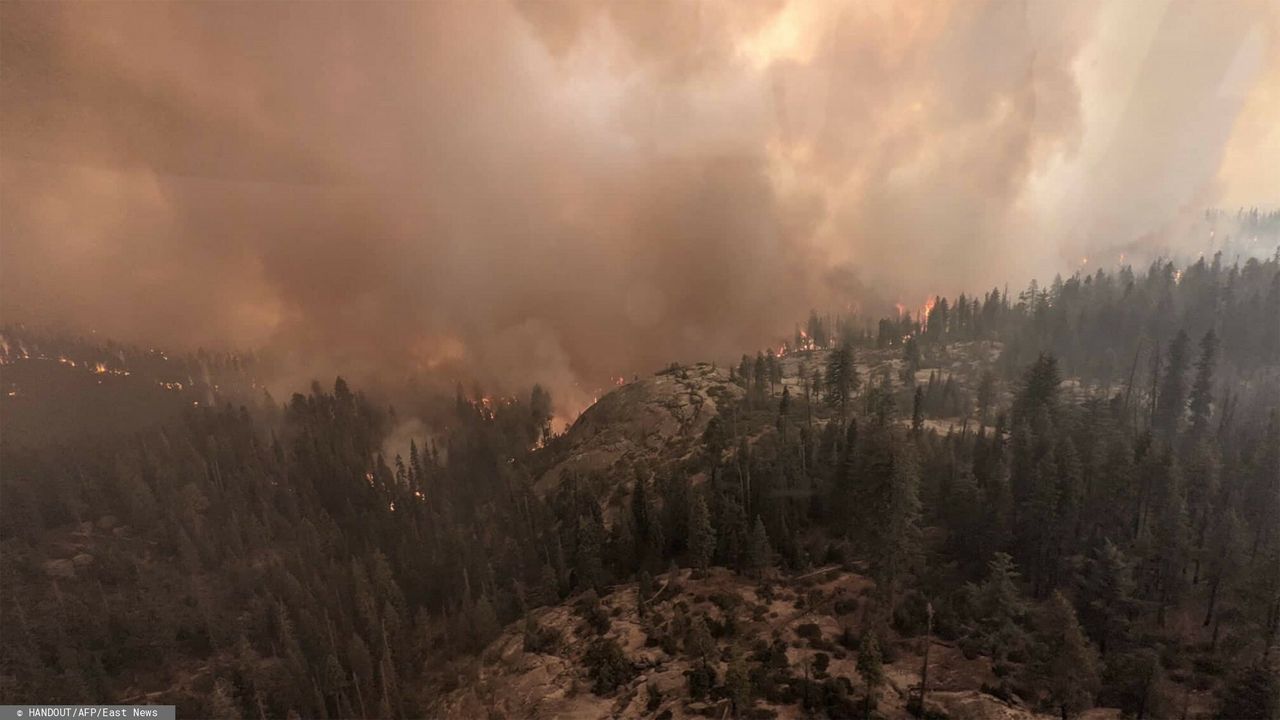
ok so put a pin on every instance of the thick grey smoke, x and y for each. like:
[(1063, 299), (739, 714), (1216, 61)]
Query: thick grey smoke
[(568, 191)]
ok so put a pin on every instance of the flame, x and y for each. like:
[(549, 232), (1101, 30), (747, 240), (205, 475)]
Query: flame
[(923, 318), (619, 381), (1084, 260), (806, 342)]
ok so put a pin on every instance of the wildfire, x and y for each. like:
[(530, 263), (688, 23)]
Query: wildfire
[(102, 369), (619, 381), (925, 310), (806, 342), (170, 385)]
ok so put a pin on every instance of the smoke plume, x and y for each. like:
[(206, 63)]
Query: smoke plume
[(566, 191)]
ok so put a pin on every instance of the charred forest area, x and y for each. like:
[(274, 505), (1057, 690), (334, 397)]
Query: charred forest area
[(1059, 501)]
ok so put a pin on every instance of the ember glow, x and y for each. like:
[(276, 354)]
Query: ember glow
[(518, 192)]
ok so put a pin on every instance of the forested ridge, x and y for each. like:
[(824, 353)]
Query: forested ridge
[(1079, 482)]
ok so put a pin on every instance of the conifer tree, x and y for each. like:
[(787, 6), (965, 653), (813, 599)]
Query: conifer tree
[(1107, 595), (702, 536), (871, 668), (1253, 692), (917, 411), (1172, 400), (1001, 609), (738, 686), (1201, 401), (759, 552), (842, 376), (1066, 664)]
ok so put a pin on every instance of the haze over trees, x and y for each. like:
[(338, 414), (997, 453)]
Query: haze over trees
[(1092, 504)]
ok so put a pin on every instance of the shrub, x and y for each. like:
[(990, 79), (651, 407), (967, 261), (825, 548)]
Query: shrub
[(701, 679), (589, 609), (809, 631), (655, 697), (607, 666), (726, 601), (539, 638)]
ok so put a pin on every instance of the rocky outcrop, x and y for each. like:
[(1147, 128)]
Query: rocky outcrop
[(808, 614), (656, 417)]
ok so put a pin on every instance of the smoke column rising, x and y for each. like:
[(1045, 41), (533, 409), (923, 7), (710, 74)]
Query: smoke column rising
[(568, 191)]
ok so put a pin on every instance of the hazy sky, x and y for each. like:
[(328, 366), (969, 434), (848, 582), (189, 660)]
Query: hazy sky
[(566, 191)]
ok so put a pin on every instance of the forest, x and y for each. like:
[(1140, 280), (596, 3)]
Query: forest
[(1093, 505)]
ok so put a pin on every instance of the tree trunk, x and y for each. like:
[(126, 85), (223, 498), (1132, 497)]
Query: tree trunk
[(924, 669), (1213, 599)]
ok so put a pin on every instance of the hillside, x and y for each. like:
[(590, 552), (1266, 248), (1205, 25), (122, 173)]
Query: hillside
[(1085, 536), (806, 630)]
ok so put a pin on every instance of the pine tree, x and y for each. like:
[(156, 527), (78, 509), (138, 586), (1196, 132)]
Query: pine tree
[(702, 536), (484, 622), (871, 668), (842, 376), (1253, 692), (986, 395), (1039, 389), (1001, 609), (1107, 595), (1066, 666), (698, 643), (917, 411), (589, 558), (1172, 400), (890, 507), (1201, 402), (759, 552), (738, 686)]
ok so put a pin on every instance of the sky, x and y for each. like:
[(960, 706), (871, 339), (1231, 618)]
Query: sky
[(567, 191)]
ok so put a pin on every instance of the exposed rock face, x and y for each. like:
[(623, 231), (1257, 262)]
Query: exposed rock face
[(808, 614), (663, 415), (660, 418)]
